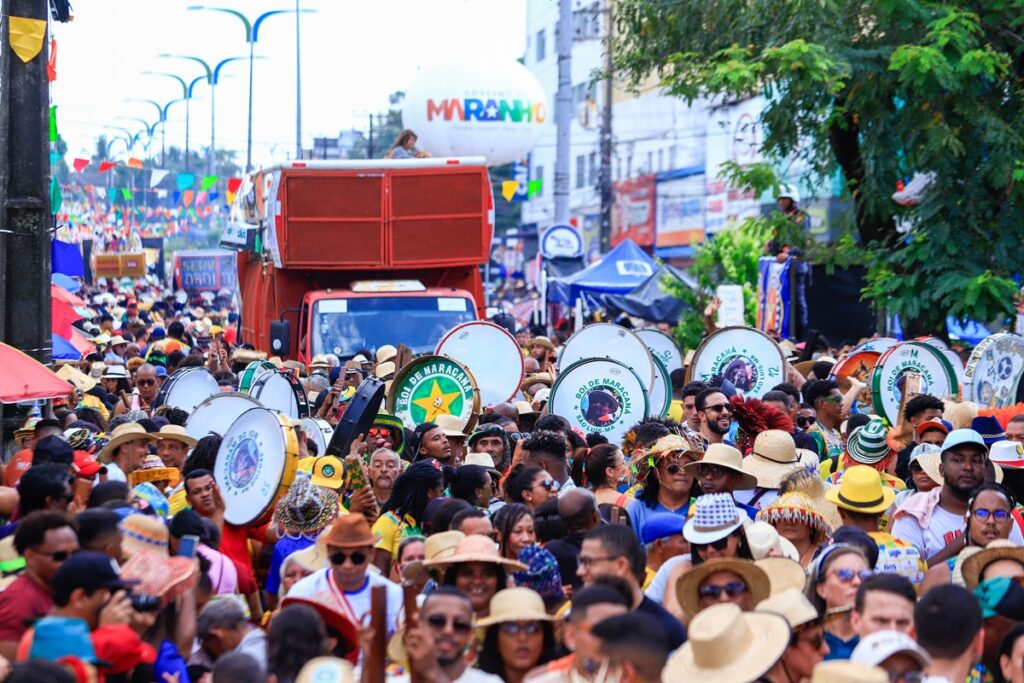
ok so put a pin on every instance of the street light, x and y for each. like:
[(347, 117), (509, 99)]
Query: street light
[(187, 89), (252, 34), (160, 109)]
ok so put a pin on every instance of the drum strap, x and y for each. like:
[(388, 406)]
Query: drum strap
[(339, 597)]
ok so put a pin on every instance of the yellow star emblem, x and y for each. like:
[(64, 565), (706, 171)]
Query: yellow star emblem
[(437, 403)]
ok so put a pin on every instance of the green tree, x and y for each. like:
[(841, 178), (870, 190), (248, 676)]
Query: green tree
[(386, 127), (879, 90)]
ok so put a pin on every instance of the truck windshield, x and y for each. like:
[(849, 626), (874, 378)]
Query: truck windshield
[(344, 326)]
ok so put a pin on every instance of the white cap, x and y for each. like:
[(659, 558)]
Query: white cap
[(877, 647)]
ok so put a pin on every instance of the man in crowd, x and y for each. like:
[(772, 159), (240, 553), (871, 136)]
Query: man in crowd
[(691, 418), (884, 602), (385, 466), (918, 410), (222, 629), (148, 384), (128, 445), (548, 451), (492, 439), (824, 396), (1015, 429), (715, 414), (173, 444), (634, 647), (948, 624), (22, 460), (578, 511), (662, 536)]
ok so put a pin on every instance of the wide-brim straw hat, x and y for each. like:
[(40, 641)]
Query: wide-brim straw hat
[(861, 490), (306, 508), (715, 516), (774, 456), (930, 464), (842, 671), (796, 507), (176, 433), (763, 538), (727, 645), (783, 574), (792, 605), (727, 457), (998, 549), (516, 604), (327, 670), (475, 548), (144, 533), (757, 581), (122, 434), (436, 549)]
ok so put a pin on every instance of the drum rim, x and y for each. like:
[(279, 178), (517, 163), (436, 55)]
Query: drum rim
[(565, 373), (679, 351), (666, 378), (731, 328), (301, 402), (161, 395), (875, 382), (211, 399), (487, 323), (392, 392), (565, 346), (975, 358)]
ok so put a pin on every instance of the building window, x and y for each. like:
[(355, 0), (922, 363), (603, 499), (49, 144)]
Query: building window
[(581, 171), (541, 46), (593, 169), (538, 174)]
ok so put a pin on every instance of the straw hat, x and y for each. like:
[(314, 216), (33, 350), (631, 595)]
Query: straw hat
[(143, 532), (727, 457), (76, 378), (715, 516), (783, 573), (437, 548), (757, 581), (165, 577), (385, 369), (525, 408), (1008, 454), (452, 426), (27, 429), (176, 433), (792, 605), (152, 469), (999, 549), (350, 531), (305, 508), (867, 445), (861, 490), (797, 507), (516, 604), (763, 539), (313, 558), (842, 671), (319, 362), (542, 341), (774, 456), (122, 434), (386, 353), (327, 670), (475, 548), (875, 648), (727, 645)]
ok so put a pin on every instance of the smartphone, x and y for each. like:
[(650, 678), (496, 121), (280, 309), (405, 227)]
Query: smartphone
[(188, 545)]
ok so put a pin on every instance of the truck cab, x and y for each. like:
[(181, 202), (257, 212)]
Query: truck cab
[(344, 256)]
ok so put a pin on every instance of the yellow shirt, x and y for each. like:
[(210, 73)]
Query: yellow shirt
[(390, 531), (675, 411)]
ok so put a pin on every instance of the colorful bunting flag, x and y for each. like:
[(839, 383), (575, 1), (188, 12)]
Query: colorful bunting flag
[(508, 189), (134, 163), (212, 197), (534, 188), (53, 123), (80, 165), (127, 194), (51, 65), (175, 197), (187, 197), (234, 184), (56, 198), (156, 175), (107, 165), (208, 182), (186, 180), (26, 36), (112, 193)]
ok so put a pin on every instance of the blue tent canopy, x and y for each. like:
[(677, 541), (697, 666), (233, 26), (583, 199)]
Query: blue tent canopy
[(621, 270), (68, 283), (63, 350)]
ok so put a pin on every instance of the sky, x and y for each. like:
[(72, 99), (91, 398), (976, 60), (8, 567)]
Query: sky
[(354, 54)]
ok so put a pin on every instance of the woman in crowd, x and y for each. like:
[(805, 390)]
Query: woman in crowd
[(795, 518), (530, 486), (832, 589), (478, 570), (514, 524), (402, 515), (519, 635), (1011, 657), (602, 469), (411, 549), (296, 635), (667, 485), (471, 483)]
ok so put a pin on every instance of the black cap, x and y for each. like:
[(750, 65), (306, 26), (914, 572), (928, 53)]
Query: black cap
[(53, 449), (89, 570)]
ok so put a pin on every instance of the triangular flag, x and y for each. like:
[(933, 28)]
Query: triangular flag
[(26, 36), (161, 194), (200, 198), (107, 165), (112, 193), (186, 180), (80, 165), (534, 188), (175, 197), (508, 189), (51, 66), (208, 182), (230, 197), (53, 123), (213, 196), (56, 198), (156, 176), (126, 193), (134, 163), (234, 184)]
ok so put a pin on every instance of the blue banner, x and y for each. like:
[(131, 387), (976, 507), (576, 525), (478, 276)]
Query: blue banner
[(774, 297)]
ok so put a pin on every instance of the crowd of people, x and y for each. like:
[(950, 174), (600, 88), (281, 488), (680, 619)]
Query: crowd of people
[(788, 538)]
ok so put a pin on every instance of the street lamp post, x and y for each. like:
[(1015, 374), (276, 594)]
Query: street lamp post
[(185, 95), (252, 31), (160, 114)]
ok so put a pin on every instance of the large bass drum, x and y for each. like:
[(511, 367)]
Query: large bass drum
[(747, 357), (662, 347), (491, 354), (614, 342), (281, 391), (187, 388), (216, 414), (319, 431), (256, 464), (599, 395), (252, 371)]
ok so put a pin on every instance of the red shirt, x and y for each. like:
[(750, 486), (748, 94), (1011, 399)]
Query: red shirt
[(234, 542), (22, 603), (17, 466)]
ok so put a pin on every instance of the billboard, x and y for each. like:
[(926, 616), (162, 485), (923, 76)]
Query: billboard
[(680, 210), (633, 213)]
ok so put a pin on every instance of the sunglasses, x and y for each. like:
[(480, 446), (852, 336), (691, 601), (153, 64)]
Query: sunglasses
[(673, 468), (714, 471), (999, 515), (833, 399), (145, 382), (816, 641), (847, 575), (804, 422), (719, 408), (438, 621), (357, 558), (732, 589), (550, 485), (719, 545), (377, 433), (58, 556), (514, 628)]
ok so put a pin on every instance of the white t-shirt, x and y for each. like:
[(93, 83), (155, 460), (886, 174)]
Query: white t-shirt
[(468, 676), (659, 584), (943, 527), (317, 587)]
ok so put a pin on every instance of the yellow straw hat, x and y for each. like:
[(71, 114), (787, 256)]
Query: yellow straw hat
[(516, 604)]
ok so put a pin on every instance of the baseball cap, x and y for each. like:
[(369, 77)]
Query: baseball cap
[(940, 425), (661, 525), (923, 449), (86, 465), (88, 570), (53, 449), (161, 371), (158, 333), (57, 637), (122, 648), (877, 647), (959, 437)]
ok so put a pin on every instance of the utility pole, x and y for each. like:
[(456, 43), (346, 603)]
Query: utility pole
[(607, 198), (563, 111), (26, 220), (298, 82), (369, 144)]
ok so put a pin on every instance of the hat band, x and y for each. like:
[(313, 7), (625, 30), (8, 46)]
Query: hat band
[(860, 504), (716, 527), (781, 462)]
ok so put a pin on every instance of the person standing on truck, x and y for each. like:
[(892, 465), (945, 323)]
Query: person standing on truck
[(403, 146)]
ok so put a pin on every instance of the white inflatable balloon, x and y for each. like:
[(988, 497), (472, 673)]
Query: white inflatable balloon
[(496, 111)]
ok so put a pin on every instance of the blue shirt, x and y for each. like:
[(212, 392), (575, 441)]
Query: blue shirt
[(282, 549), (638, 513), (838, 648)]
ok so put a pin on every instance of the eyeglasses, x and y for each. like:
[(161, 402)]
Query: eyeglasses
[(714, 471), (514, 628), (906, 677), (719, 545), (145, 382), (357, 557), (804, 422), (847, 575), (815, 641), (732, 589), (590, 561), (549, 485), (721, 407), (438, 621), (833, 399), (999, 515), (58, 556)]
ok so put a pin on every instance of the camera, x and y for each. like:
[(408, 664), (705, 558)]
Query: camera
[(519, 436), (145, 603)]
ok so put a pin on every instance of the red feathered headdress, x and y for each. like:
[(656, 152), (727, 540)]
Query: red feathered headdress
[(755, 416)]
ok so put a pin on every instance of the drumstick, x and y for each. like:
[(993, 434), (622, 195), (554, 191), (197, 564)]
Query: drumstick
[(378, 621), (409, 593)]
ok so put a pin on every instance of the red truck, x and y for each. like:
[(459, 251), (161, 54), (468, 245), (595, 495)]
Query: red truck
[(338, 256)]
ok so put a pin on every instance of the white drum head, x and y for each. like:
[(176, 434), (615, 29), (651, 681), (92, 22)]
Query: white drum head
[(189, 387), (250, 465), (217, 413), (491, 354), (599, 395), (745, 356), (993, 373), (662, 347), (937, 376), (319, 431), (614, 342), (274, 391), (881, 345), (660, 399)]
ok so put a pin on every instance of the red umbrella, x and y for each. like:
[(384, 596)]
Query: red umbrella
[(26, 379), (58, 292), (80, 342), (61, 317)]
